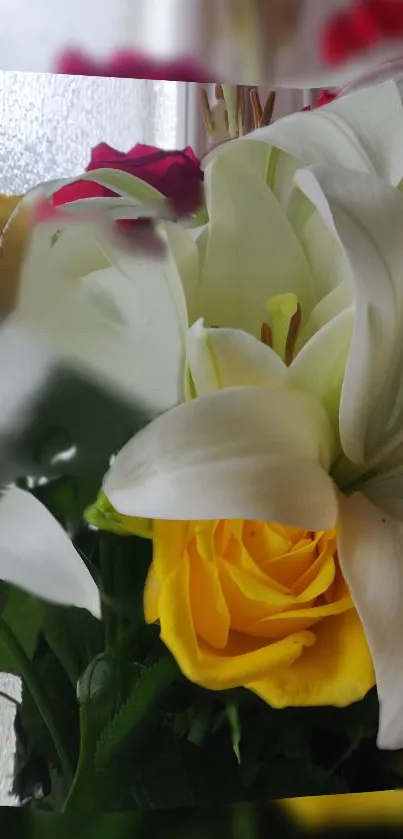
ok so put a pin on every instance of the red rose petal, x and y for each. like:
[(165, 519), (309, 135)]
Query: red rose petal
[(175, 174), (130, 65), (362, 26)]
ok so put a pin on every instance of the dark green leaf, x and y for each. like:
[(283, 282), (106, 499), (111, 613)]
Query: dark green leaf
[(62, 699), (140, 713), (23, 615), (79, 420), (214, 771), (159, 776), (282, 778), (75, 637)]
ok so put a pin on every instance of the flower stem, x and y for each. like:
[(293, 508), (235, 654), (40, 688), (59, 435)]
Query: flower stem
[(28, 675)]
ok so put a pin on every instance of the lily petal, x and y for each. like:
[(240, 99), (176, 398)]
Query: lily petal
[(37, 555), (386, 490), (185, 253), (371, 554), (109, 322), (220, 358), (240, 272), (366, 215), (349, 132), (252, 453), (319, 367), (326, 259)]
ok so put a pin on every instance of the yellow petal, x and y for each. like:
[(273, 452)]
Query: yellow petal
[(209, 610), (152, 591), (169, 540), (336, 670), (278, 626), (365, 808), (243, 660)]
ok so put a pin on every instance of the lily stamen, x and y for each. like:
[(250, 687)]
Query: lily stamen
[(266, 335), (295, 325)]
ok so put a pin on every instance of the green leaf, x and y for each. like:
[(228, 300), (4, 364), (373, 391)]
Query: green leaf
[(159, 777), (94, 425), (283, 778), (62, 699), (125, 564), (139, 715), (214, 771), (22, 613), (200, 719), (75, 637), (102, 691), (235, 729)]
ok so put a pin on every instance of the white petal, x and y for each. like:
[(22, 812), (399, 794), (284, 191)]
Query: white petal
[(362, 131), (25, 369), (326, 259), (122, 183), (37, 555), (125, 325), (386, 489), (366, 214), (252, 250), (319, 367), (370, 545), (220, 358), (256, 155), (185, 253), (251, 453), (330, 307)]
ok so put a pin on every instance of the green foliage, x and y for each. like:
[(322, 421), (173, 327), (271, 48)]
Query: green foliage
[(22, 613), (139, 715), (75, 637), (138, 735), (62, 700)]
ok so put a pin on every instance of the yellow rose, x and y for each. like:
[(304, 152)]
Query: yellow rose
[(329, 811), (259, 605), (12, 250)]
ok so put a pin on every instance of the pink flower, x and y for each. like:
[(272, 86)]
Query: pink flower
[(131, 65), (176, 174)]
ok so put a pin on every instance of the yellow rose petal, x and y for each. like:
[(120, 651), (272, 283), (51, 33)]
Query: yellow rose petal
[(295, 620), (337, 670), (152, 591), (169, 539), (289, 568), (249, 600), (242, 661), (209, 610), (377, 809)]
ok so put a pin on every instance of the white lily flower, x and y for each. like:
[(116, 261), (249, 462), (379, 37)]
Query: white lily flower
[(103, 308), (37, 555), (349, 132), (318, 443)]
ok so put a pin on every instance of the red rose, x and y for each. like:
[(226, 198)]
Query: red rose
[(131, 65), (176, 174), (360, 27)]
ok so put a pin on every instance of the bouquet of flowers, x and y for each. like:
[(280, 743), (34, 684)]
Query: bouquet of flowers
[(201, 430)]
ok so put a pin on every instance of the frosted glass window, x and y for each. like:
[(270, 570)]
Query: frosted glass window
[(48, 125)]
